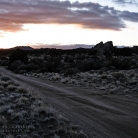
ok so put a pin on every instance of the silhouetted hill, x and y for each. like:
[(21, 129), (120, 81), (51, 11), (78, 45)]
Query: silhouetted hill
[(22, 48)]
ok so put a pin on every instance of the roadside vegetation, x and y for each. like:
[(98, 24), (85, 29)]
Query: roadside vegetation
[(104, 66), (69, 62), (122, 82), (23, 115)]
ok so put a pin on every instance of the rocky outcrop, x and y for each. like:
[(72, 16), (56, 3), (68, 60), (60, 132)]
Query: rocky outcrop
[(108, 45), (104, 46), (99, 46), (104, 49)]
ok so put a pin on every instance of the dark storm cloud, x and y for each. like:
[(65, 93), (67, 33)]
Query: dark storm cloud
[(15, 13)]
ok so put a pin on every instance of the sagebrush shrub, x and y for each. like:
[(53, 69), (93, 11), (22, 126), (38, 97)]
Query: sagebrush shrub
[(70, 71), (119, 75), (5, 78), (11, 87)]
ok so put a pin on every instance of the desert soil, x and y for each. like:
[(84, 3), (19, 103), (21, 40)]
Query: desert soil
[(100, 115)]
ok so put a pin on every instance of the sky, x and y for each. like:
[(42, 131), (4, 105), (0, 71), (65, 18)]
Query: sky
[(39, 23)]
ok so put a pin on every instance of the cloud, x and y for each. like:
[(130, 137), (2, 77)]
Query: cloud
[(15, 13), (129, 16), (126, 2)]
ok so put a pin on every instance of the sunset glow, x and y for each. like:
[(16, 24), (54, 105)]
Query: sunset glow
[(67, 22)]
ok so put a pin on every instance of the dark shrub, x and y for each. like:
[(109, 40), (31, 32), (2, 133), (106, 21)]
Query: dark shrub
[(126, 51), (119, 76), (69, 59), (71, 71), (14, 66), (4, 63), (31, 67), (51, 64), (92, 64), (121, 63), (18, 54), (80, 57), (4, 58), (108, 54), (28, 67), (92, 51), (36, 61)]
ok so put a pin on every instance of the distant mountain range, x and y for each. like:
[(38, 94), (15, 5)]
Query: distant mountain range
[(58, 47), (63, 46), (69, 46)]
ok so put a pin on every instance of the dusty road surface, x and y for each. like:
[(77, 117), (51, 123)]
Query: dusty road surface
[(99, 115)]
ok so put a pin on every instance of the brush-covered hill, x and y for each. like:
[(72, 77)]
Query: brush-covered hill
[(22, 48)]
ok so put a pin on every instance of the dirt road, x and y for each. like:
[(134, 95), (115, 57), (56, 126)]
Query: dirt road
[(99, 115)]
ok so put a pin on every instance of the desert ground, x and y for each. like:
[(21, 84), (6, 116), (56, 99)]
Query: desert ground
[(100, 113), (87, 92), (23, 114)]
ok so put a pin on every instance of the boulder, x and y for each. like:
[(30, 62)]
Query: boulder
[(108, 46), (99, 46)]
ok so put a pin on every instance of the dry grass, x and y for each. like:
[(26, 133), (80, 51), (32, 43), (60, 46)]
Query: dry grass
[(120, 80), (20, 107)]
